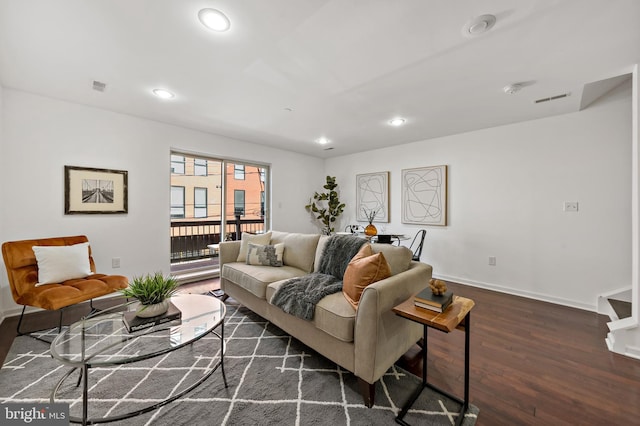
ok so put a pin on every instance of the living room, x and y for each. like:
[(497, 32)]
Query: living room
[(507, 183)]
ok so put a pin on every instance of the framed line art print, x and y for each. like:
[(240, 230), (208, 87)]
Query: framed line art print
[(424, 196), (372, 195), (95, 191)]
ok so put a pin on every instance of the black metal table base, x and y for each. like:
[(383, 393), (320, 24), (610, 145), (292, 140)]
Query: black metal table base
[(84, 375), (425, 384)]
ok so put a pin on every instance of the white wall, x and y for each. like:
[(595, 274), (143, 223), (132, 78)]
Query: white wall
[(41, 135), (507, 186)]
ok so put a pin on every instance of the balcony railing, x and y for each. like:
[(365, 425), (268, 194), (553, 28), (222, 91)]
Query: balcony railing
[(189, 239)]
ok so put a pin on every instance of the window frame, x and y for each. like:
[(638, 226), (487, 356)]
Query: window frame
[(173, 206), (197, 167), (177, 160)]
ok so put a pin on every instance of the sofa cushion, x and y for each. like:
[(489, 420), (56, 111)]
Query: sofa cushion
[(399, 258), (322, 241), (299, 249), (333, 314), (255, 278), (250, 238), (267, 255), (364, 269)]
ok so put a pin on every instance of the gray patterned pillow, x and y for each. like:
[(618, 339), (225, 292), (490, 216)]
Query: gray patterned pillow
[(265, 255)]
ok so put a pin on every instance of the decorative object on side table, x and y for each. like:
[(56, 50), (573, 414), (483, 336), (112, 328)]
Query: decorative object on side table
[(370, 230), (334, 208), (435, 298), (152, 292)]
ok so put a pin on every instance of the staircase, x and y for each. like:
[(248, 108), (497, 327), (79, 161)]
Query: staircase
[(624, 332)]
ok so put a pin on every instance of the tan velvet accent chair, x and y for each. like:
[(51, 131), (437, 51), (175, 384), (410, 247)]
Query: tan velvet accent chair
[(22, 270)]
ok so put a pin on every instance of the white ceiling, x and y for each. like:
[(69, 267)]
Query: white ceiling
[(344, 67)]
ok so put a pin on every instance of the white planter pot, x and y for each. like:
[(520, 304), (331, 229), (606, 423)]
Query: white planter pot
[(148, 311)]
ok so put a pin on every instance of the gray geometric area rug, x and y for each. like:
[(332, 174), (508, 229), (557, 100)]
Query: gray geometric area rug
[(273, 379)]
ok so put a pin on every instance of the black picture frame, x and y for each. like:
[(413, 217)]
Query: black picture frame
[(90, 190)]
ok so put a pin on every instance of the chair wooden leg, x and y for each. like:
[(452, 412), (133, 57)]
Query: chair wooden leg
[(368, 391)]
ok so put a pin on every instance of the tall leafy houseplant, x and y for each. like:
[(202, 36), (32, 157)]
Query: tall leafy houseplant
[(327, 206)]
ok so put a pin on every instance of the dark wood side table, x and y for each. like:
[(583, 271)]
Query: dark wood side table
[(457, 315)]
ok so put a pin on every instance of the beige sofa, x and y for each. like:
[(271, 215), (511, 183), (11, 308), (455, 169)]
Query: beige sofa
[(366, 341)]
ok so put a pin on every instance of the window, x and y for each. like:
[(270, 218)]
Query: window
[(238, 171), (177, 201), (199, 202), (199, 167), (262, 173), (177, 164), (238, 202), (262, 203)]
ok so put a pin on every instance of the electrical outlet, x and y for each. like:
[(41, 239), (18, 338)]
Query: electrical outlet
[(492, 260), (570, 206), (115, 262)]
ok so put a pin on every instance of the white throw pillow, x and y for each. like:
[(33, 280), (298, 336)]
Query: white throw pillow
[(61, 263), (261, 239), (269, 255)]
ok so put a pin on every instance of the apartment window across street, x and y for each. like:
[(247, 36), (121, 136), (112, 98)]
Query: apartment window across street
[(238, 171), (238, 202), (177, 201), (199, 167), (199, 202), (207, 196), (177, 164)]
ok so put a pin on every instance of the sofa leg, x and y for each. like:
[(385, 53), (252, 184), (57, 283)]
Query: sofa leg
[(368, 392)]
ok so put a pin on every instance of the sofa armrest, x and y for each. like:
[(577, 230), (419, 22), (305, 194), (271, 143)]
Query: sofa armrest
[(228, 252), (381, 337)]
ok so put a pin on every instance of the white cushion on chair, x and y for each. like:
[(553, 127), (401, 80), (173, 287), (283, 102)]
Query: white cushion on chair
[(61, 263)]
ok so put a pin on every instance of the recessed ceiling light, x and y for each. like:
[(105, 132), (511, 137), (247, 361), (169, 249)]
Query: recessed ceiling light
[(214, 20), (163, 94), (510, 89), (398, 121), (323, 141), (479, 25)]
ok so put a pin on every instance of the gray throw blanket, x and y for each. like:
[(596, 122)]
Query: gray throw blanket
[(299, 296)]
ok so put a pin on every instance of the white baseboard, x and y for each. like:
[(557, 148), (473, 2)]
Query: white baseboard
[(527, 294)]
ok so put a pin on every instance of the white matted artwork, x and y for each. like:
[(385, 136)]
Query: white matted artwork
[(372, 194), (424, 196)]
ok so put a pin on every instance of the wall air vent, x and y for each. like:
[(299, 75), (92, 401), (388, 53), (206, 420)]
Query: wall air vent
[(99, 86), (552, 98), (328, 149)]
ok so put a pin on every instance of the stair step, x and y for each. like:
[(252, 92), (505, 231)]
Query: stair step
[(621, 308)]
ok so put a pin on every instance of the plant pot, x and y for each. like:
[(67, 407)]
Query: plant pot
[(148, 311), (370, 230)]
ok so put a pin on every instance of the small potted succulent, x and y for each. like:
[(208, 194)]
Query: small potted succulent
[(152, 292)]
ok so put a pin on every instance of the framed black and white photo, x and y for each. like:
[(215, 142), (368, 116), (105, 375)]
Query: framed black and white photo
[(424, 196), (94, 191)]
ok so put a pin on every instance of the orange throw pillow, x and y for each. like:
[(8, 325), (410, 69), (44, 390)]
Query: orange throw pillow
[(365, 268)]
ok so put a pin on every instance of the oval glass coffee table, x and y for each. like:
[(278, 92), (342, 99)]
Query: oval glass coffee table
[(103, 340)]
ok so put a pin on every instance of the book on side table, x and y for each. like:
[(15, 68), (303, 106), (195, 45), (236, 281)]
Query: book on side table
[(437, 303), (135, 323)]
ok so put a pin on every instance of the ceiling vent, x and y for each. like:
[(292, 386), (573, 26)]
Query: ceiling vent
[(99, 86), (553, 98)]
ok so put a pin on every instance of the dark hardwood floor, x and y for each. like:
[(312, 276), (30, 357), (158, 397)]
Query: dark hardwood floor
[(532, 363)]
